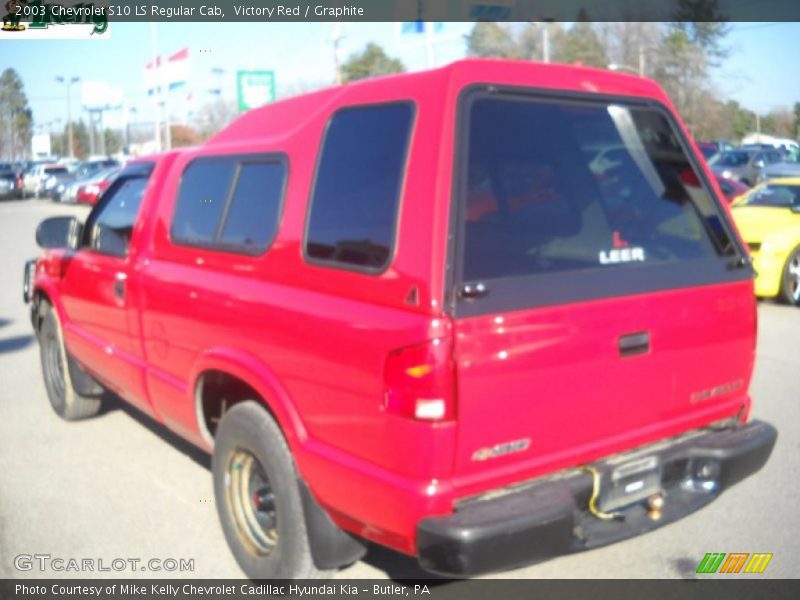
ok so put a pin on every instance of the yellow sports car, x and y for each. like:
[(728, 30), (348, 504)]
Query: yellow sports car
[(768, 217)]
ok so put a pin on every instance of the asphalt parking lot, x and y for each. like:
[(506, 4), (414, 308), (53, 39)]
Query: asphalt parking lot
[(120, 486)]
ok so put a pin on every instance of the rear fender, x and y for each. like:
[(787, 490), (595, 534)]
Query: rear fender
[(260, 377)]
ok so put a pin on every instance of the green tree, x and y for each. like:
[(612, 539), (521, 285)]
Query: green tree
[(370, 62), (742, 121), (80, 139), (682, 68), (704, 24), (493, 40), (581, 44), (797, 120), (58, 144), (113, 141), (16, 117)]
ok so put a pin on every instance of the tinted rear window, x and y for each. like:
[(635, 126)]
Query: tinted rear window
[(556, 187), (357, 191), (552, 187)]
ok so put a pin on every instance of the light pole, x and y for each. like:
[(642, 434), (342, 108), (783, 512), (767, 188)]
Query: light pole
[(68, 83)]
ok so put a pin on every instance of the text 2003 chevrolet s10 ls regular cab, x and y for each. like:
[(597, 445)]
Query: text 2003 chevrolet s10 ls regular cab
[(420, 310)]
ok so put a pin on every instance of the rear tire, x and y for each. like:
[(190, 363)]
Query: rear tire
[(790, 280), (258, 498), (65, 400)]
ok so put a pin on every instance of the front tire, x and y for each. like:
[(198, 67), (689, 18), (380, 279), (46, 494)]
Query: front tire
[(65, 400), (258, 498), (790, 280)]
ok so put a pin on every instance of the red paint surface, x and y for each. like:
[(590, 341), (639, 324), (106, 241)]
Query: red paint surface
[(313, 341)]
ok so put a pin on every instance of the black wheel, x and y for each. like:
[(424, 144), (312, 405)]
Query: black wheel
[(56, 368), (257, 496), (790, 281)]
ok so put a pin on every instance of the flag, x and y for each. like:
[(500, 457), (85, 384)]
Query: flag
[(167, 75), (152, 73), (188, 108), (176, 71)]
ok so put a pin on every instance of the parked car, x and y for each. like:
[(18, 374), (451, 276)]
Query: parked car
[(42, 177), (731, 188), (768, 218), (788, 167), (707, 149), (54, 178), (711, 147), (10, 184), (743, 164), (313, 297), (90, 189), (87, 171)]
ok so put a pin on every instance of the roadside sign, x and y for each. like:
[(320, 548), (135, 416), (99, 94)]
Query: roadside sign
[(255, 88)]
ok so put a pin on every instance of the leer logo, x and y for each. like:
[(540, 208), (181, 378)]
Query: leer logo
[(736, 562)]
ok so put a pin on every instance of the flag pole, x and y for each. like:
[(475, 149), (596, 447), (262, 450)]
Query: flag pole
[(167, 126), (429, 44), (157, 80)]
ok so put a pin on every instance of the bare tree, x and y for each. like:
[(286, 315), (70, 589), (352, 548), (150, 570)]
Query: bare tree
[(213, 116)]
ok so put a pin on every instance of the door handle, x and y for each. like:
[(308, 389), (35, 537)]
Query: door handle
[(120, 281), (634, 343)]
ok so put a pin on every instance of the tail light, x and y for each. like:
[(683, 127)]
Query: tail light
[(420, 381)]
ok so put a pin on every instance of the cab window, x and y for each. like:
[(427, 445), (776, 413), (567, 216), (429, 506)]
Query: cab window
[(230, 203), (110, 229)]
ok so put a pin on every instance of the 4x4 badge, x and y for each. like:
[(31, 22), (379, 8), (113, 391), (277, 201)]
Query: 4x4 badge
[(501, 449)]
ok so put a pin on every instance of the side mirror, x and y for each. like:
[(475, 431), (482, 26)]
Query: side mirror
[(59, 232), (759, 164)]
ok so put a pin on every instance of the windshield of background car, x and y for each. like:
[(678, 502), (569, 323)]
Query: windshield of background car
[(56, 170), (774, 195), (554, 186), (731, 159), (708, 151), (103, 174)]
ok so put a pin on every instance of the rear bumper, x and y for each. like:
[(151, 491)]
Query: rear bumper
[(549, 516)]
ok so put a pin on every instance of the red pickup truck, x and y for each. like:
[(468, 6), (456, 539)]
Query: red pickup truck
[(482, 315)]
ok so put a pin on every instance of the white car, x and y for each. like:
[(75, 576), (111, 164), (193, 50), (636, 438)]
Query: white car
[(35, 180)]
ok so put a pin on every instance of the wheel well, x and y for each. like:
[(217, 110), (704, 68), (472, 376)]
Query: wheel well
[(42, 304), (216, 392)]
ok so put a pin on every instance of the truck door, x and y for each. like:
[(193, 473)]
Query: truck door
[(95, 290)]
